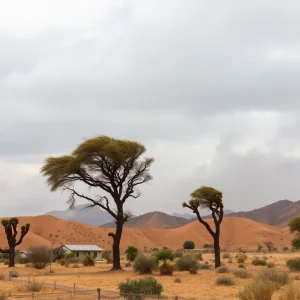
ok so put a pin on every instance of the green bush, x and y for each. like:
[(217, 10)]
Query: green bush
[(58, 253), (241, 266), (88, 261), (257, 290), (271, 265), (34, 286), (279, 278), (208, 246), (131, 253), (165, 255), (107, 255), (241, 274), (293, 264), (193, 270), (226, 255), (259, 262), (241, 258), (198, 256), (189, 245), (128, 264), (222, 269), (22, 260), (138, 289), (178, 254), (227, 281), (143, 264), (186, 263), (204, 266)]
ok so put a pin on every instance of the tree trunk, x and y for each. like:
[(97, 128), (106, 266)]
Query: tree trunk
[(116, 247), (11, 262), (217, 249)]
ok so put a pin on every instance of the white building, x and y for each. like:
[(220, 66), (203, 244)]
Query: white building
[(81, 250)]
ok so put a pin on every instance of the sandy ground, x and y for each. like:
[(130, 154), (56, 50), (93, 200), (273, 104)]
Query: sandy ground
[(200, 286)]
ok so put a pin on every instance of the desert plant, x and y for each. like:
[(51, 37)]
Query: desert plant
[(165, 256), (138, 289), (259, 262), (88, 261), (208, 246), (22, 260), (198, 256), (189, 245), (13, 274), (227, 281), (177, 280), (226, 255), (107, 255), (178, 254), (131, 253), (186, 263), (193, 270), (143, 264), (271, 265), (39, 257), (241, 266), (270, 246), (241, 258), (34, 286), (114, 166), (259, 248), (62, 261), (279, 278), (58, 253), (241, 274), (128, 264), (29, 265), (257, 290), (203, 266), (230, 261), (209, 198), (293, 264), (10, 228), (75, 266), (285, 249), (222, 269)]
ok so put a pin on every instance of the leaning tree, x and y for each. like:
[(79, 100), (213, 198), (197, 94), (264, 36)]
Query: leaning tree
[(10, 227), (211, 199), (294, 225), (102, 163)]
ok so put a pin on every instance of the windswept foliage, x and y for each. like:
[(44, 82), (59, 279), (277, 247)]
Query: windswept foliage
[(102, 163), (210, 199)]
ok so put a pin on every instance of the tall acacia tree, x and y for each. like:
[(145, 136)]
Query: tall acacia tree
[(10, 227), (114, 166), (209, 198)]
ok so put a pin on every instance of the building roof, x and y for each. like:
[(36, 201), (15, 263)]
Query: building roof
[(83, 247)]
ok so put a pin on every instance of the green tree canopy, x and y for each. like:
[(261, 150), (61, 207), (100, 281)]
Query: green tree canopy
[(294, 225), (188, 245)]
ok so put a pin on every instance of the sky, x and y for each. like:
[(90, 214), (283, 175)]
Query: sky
[(211, 88)]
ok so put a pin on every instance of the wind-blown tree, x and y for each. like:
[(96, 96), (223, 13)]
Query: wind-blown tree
[(211, 199), (10, 227), (102, 163), (294, 225)]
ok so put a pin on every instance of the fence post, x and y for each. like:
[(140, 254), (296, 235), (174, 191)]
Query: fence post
[(98, 294)]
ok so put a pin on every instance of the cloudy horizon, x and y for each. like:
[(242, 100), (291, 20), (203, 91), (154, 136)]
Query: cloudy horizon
[(209, 87)]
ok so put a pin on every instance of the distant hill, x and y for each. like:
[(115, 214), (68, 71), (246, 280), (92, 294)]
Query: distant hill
[(204, 213), (275, 214), (154, 219), (185, 216), (93, 216)]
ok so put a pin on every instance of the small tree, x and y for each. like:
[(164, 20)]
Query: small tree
[(209, 198), (270, 246), (10, 227), (294, 225), (165, 255), (131, 253), (59, 253), (188, 245), (259, 248), (116, 167), (39, 257)]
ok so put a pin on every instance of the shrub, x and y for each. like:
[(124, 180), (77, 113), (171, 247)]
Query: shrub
[(222, 269), (178, 254), (227, 281), (88, 261), (59, 253), (241, 274), (67, 263), (34, 286), (13, 274), (208, 246), (128, 264), (186, 263), (29, 265), (177, 280), (285, 249), (257, 290), (22, 260), (230, 261), (203, 266), (293, 264), (131, 253), (198, 256), (189, 245), (259, 248), (270, 265), (73, 260), (270, 245), (107, 255), (165, 255), (138, 289), (193, 270), (226, 255), (290, 293), (241, 258), (39, 257), (259, 262), (241, 266), (279, 278), (70, 255), (143, 264), (62, 261), (166, 269), (75, 266)]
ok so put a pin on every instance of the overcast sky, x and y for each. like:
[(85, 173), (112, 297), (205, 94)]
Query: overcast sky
[(211, 88)]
